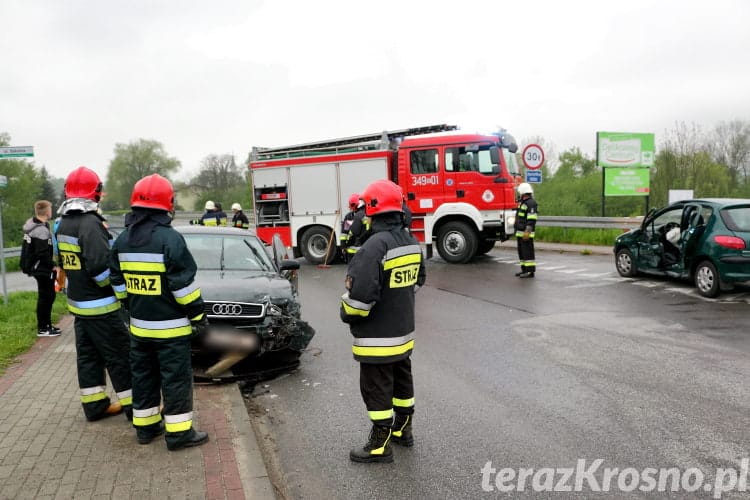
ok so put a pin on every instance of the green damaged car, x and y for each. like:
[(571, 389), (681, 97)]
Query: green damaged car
[(703, 240)]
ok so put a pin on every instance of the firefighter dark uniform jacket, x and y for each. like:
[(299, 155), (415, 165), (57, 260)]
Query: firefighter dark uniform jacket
[(526, 216), (359, 231), (239, 219), (346, 224), (83, 245), (381, 278), (157, 278)]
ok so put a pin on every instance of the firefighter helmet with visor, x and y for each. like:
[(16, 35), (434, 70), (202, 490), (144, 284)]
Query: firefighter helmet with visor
[(382, 196)]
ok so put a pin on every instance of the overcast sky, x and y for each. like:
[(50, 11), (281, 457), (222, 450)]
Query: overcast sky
[(77, 77)]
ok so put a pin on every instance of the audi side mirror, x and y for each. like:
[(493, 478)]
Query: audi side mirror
[(289, 265)]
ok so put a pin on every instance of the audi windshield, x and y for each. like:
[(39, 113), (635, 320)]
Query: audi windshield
[(229, 252)]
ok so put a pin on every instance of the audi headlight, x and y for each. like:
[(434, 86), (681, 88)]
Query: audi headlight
[(274, 310)]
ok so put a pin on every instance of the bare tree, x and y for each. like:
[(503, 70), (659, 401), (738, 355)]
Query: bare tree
[(731, 147), (218, 173)]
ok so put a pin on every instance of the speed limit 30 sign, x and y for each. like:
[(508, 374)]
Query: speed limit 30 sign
[(533, 156)]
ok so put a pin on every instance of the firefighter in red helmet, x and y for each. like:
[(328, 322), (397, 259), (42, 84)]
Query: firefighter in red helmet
[(102, 342), (353, 227), (153, 270), (378, 305)]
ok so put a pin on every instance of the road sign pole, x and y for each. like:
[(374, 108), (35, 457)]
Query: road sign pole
[(2, 255)]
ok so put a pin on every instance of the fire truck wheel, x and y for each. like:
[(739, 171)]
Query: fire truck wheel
[(317, 247), (485, 246), (457, 242)]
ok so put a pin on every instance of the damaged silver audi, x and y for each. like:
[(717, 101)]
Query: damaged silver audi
[(252, 304)]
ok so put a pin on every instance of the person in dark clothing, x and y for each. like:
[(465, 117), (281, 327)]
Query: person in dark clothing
[(37, 234), (381, 282), (220, 214), (239, 219), (83, 245), (213, 216), (154, 272), (353, 218), (526, 217), (359, 231), (407, 215)]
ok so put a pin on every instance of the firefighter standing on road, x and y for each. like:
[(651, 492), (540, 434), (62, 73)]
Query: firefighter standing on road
[(213, 216), (154, 272), (346, 225), (359, 230), (379, 307), (526, 216), (83, 245), (239, 219)]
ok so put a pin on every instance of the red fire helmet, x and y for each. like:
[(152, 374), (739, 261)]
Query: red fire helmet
[(83, 183), (383, 196), (153, 191)]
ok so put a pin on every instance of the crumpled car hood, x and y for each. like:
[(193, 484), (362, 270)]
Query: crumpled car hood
[(242, 286)]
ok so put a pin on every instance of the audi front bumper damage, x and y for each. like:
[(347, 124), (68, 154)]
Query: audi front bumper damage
[(252, 334)]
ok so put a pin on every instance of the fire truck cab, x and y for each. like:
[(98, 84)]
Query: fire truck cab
[(459, 187)]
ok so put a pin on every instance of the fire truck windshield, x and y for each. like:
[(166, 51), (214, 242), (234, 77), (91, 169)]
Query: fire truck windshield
[(473, 158)]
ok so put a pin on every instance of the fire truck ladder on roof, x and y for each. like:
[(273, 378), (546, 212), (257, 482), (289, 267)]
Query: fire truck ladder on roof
[(367, 142)]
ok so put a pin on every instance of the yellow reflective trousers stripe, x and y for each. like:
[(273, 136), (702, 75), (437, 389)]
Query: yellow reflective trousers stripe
[(382, 351), (380, 414)]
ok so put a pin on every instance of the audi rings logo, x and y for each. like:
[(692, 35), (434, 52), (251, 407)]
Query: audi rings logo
[(226, 309)]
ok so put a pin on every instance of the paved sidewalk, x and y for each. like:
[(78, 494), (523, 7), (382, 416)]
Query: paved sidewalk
[(49, 450)]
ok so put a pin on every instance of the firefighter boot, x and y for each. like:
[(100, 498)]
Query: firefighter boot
[(148, 433), (401, 430), (192, 438), (378, 447)]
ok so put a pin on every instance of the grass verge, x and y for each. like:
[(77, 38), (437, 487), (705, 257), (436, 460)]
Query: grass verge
[(577, 236), (12, 264), (18, 324)]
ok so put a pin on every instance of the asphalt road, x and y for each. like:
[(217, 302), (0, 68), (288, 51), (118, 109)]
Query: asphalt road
[(577, 363)]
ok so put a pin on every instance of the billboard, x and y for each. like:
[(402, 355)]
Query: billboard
[(624, 149), (626, 181)]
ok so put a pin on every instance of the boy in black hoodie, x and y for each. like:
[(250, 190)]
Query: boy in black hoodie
[(39, 238)]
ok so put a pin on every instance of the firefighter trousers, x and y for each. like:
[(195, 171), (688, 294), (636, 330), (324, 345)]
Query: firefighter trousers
[(526, 254), (162, 368), (102, 342), (387, 388)]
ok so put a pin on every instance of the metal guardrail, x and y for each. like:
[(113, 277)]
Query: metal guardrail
[(12, 252), (591, 222), (548, 221)]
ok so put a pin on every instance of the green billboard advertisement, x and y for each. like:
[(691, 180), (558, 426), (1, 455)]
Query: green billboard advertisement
[(626, 181), (624, 149)]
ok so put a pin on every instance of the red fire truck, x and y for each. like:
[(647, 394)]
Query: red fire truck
[(459, 187)]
